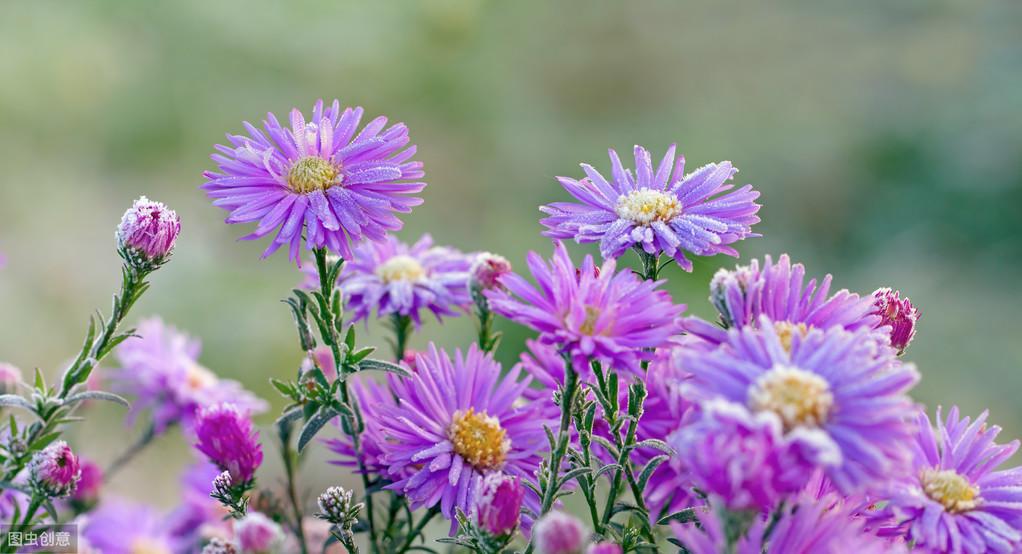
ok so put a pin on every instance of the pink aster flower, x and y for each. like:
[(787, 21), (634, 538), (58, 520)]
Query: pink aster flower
[(55, 470), (957, 500), (149, 228), (322, 179), (160, 369), (604, 315), (659, 210), (559, 533), (393, 278), (258, 533), (898, 315), (456, 422), (225, 435), (780, 292), (500, 503), (86, 494)]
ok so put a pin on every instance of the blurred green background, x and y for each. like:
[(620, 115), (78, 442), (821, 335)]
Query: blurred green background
[(886, 139)]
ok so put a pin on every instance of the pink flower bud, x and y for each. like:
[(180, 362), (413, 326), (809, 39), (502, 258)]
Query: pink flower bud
[(226, 436), (559, 533), (500, 504), (149, 228), (487, 269), (258, 533), (55, 470), (898, 314)]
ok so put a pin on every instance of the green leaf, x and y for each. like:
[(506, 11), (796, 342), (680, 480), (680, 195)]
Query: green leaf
[(684, 516), (98, 395), (648, 470), (16, 401), (380, 365), (657, 444), (314, 425), (287, 389)]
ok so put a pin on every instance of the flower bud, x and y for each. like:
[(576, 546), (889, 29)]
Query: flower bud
[(728, 288), (257, 533), (220, 546), (222, 485), (335, 506), (559, 533), (86, 494), (148, 230), (226, 436), (898, 314), (55, 471), (486, 271), (10, 377), (604, 548), (500, 504)]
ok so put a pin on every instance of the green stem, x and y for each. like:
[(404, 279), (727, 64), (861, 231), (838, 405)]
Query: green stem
[(290, 460), (350, 426), (26, 523), (145, 440), (402, 326), (417, 530)]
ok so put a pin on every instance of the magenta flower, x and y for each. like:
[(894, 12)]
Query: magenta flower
[(160, 370), (89, 484), (457, 422), (390, 277), (664, 211), (149, 228), (897, 314), (810, 526), (559, 533), (54, 471), (742, 459), (837, 394), (319, 179), (588, 313), (779, 291), (225, 435), (498, 508), (957, 500)]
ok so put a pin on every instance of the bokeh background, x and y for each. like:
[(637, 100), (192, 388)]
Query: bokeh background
[(886, 139)]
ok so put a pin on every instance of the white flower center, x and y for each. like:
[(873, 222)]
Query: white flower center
[(950, 489), (313, 173), (400, 268), (645, 206), (798, 397)]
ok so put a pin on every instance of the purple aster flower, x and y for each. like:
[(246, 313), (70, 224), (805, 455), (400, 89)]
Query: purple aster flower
[(898, 314), (456, 422), (838, 394), (664, 211), (779, 291), (226, 436), (499, 504), (319, 179), (390, 277), (559, 533), (589, 313), (957, 500), (54, 471), (740, 458), (149, 228), (120, 527), (160, 369), (810, 526)]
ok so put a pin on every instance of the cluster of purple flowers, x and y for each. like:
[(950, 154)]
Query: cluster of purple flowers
[(785, 426)]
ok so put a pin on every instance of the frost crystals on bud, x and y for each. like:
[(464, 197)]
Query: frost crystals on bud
[(220, 546), (54, 471), (147, 233), (898, 314), (335, 506)]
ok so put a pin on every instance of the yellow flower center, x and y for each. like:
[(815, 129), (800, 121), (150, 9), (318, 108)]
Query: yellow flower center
[(479, 439), (312, 173), (400, 268), (786, 332), (588, 326), (949, 488), (645, 206), (198, 377), (144, 545), (798, 397)]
